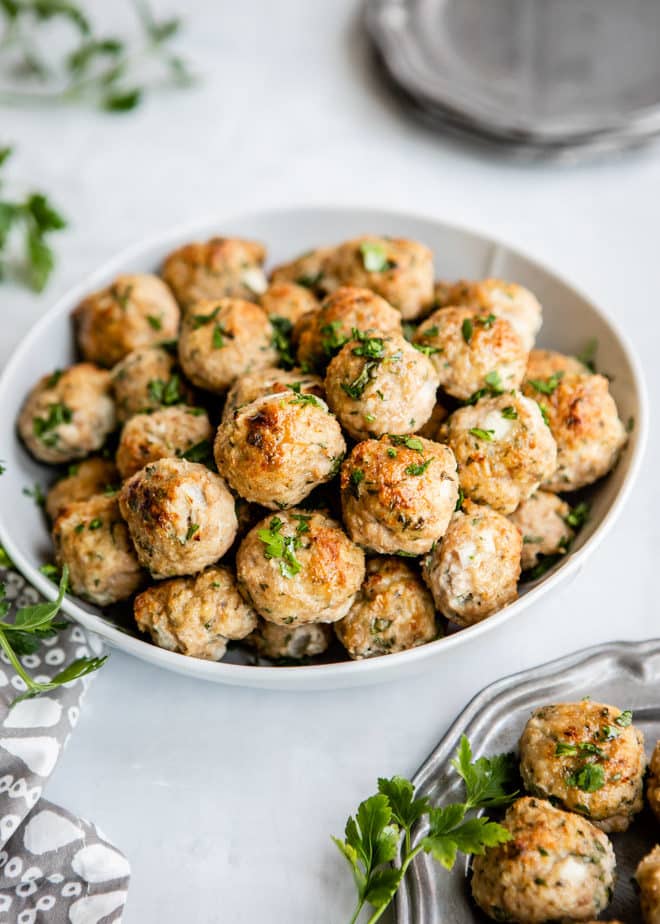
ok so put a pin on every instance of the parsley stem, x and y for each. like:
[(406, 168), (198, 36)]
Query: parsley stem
[(357, 911), (16, 664), (409, 857)]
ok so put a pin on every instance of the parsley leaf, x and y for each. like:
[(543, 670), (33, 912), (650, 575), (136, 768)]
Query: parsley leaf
[(449, 833), (374, 258), (418, 469), (488, 781), (625, 719), (357, 477), (588, 778), (281, 547), (410, 442), (282, 331), (587, 356), (578, 515), (509, 412), (482, 434), (467, 329), (302, 397), (547, 386)]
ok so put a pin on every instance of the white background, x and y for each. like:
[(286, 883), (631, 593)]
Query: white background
[(224, 799)]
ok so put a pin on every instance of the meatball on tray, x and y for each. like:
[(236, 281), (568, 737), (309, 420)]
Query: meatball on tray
[(617, 688), (314, 448)]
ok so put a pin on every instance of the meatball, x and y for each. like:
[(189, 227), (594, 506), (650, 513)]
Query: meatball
[(68, 414), (288, 300), (542, 364), (503, 448), (399, 270), (507, 300), (433, 428), (268, 382), (555, 867), (299, 567), (378, 385), (180, 515), (473, 571), (648, 880), (290, 642), (653, 782), (393, 611), (586, 757), (277, 449), (82, 481), (195, 615), (92, 540), (398, 493), (166, 433), (584, 421), (222, 267), (308, 270), (135, 311), (221, 340), (472, 351), (145, 380), (541, 520), (321, 335)]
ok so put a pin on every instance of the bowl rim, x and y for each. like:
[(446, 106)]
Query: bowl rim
[(343, 671)]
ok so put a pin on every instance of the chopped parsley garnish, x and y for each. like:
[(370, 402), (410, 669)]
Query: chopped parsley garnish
[(487, 321), (460, 499), (391, 453), (547, 386), (192, 529), (309, 280), (509, 412), (53, 379), (625, 719), (494, 382), (578, 516), (282, 328), (280, 547), (426, 350), (374, 349), (166, 393), (588, 778), (410, 442), (96, 523), (357, 477), (368, 346), (36, 494), (331, 339), (587, 356), (418, 469), (482, 434), (302, 397), (467, 329), (199, 452), (544, 413), (43, 427), (199, 320), (154, 322), (570, 749), (374, 258), (218, 338)]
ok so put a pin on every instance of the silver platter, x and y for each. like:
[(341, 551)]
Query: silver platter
[(626, 674)]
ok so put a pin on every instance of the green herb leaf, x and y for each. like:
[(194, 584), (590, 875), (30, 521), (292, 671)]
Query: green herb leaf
[(488, 781), (410, 442), (625, 719), (418, 469), (449, 833), (578, 515), (467, 329), (122, 101), (482, 434), (406, 810), (281, 547), (588, 778), (199, 452), (547, 386), (282, 332), (587, 356), (374, 258), (356, 479), (509, 412)]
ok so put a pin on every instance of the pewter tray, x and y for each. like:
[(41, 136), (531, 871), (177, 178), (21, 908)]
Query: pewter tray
[(626, 674)]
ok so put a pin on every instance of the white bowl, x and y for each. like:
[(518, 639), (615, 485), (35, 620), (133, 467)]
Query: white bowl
[(570, 321)]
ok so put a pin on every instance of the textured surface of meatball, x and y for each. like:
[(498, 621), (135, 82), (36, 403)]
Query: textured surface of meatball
[(166, 433), (135, 311), (269, 381), (288, 300), (222, 267), (393, 611), (82, 481), (68, 414), (472, 351), (277, 449), (195, 615), (473, 571), (92, 540), (221, 340), (507, 300), (321, 335), (398, 493), (145, 380), (584, 421), (556, 867), (290, 642), (299, 567), (541, 520), (588, 758), (503, 448), (398, 269), (648, 880), (653, 782), (378, 385), (433, 428), (180, 515), (542, 364), (307, 270)]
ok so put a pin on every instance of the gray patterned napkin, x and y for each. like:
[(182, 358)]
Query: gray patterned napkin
[(54, 867)]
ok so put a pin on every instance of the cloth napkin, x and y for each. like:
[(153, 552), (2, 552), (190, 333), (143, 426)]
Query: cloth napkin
[(54, 867)]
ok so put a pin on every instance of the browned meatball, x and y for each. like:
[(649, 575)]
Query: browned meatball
[(647, 876), (223, 267), (299, 567), (180, 515), (82, 481), (398, 269), (166, 433), (307, 270), (195, 615), (653, 782), (270, 381), (321, 335), (277, 449), (92, 540), (225, 339), (135, 311), (507, 300), (542, 522), (542, 364), (68, 414), (288, 300), (147, 379), (398, 493), (290, 642), (392, 612)]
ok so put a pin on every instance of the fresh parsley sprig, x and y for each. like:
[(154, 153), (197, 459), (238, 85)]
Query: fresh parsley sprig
[(383, 823), (103, 70), (24, 635), (32, 218)]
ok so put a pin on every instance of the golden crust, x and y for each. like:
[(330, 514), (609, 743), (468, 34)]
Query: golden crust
[(507, 300), (288, 300), (166, 433), (648, 880), (84, 480), (222, 267), (541, 520)]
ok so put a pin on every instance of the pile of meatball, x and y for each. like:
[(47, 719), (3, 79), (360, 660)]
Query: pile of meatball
[(582, 765), (344, 445)]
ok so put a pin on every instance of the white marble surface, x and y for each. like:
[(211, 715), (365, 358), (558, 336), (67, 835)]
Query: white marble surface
[(224, 799)]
